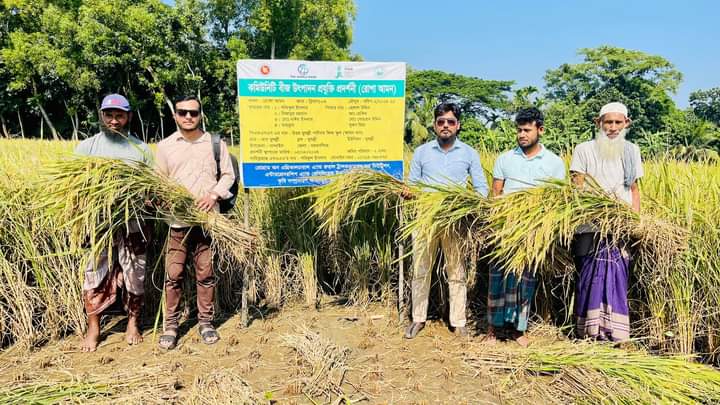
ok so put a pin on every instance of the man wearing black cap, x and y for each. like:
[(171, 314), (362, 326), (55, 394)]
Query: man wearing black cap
[(127, 272)]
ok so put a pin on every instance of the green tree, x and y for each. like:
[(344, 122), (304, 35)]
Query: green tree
[(566, 125), (228, 19), (486, 99), (419, 121), (706, 104), (42, 64), (302, 29), (643, 82)]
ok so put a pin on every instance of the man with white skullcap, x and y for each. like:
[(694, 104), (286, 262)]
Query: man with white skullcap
[(601, 305)]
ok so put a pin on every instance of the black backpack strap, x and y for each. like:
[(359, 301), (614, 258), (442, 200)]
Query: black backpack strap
[(216, 153)]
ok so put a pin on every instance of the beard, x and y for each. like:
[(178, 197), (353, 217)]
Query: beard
[(610, 149), (112, 133)]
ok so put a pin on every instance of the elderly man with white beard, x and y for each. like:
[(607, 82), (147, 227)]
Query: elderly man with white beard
[(601, 304)]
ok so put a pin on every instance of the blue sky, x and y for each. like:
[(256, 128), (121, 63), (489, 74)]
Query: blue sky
[(521, 40)]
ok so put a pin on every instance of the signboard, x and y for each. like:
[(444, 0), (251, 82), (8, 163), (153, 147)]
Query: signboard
[(301, 120)]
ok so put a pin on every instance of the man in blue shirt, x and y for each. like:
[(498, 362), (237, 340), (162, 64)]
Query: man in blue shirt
[(443, 161), (526, 166)]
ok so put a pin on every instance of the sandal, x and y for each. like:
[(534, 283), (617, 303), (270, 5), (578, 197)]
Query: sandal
[(208, 334), (168, 341)]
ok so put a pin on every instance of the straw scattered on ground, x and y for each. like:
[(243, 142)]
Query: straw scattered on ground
[(222, 386), (323, 363), (593, 372)]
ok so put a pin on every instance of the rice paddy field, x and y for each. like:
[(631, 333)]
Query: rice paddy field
[(322, 271)]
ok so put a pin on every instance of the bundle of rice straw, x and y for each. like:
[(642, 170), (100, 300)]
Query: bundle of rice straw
[(339, 202), (324, 363), (222, 386), (147, 385), (98, 197), (591, 372), (525, 227), (526, 230)]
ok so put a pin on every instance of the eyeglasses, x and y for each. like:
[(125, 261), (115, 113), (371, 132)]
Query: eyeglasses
[(193, 113), (451, 122)]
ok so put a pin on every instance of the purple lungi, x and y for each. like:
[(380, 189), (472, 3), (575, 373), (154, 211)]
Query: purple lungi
[(601, 303)]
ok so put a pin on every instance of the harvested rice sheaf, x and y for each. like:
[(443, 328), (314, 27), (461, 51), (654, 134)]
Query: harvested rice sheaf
[(522, 231), (324, 364), (591, 372), (338, 203), (97, 197), (222, 386), (144, 386)]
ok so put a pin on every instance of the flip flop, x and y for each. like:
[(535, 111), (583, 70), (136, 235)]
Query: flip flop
[(208, 334), (168, 341)]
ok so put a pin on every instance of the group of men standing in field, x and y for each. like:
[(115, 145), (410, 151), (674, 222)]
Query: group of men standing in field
[(187, 157), (601, 304)]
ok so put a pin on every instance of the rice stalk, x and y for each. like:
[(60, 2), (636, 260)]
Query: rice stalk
[(591, 372), (306, 262), (358, 275), (100, 197), (523, 228), (338, 203), (141, 387), (273, 282), (222, 386), (324, 364)]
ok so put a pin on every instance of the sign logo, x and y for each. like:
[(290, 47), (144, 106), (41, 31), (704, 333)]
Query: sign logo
[(303, 69), (265, 69)]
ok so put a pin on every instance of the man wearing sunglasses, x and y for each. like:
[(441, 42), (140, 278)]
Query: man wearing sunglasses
[(187, 157), (127, 270), (443, 161)]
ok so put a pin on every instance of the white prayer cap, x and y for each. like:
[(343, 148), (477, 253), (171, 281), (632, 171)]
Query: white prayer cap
[(614, 107)]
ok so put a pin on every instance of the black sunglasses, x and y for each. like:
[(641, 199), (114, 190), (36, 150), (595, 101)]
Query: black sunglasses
[(451, 122), (193, 113)]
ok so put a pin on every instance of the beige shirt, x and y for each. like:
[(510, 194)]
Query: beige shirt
[(192, 165)]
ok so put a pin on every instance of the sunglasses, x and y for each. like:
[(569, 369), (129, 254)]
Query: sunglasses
[(193, 113), (451, 122)]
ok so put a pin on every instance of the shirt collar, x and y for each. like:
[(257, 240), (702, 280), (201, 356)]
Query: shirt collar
[(456, 145), (205, 137), (518, 151)]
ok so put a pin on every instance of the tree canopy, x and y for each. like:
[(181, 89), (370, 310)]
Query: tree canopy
[(58, 58), (643, 82)]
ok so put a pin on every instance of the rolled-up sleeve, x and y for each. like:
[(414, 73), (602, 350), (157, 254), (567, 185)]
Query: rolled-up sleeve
[(227, 174), (478, 176)]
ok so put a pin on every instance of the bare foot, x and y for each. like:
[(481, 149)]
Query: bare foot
[(132, 333), (490, 337), (92, 336), (522, 340)]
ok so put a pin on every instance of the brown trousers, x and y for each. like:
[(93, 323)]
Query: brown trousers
[(182, 241)]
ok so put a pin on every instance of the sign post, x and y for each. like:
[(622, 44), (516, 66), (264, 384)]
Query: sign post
[(302, 120)]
